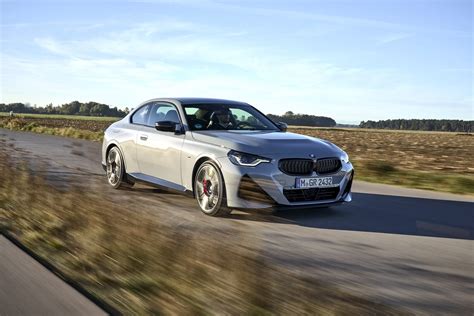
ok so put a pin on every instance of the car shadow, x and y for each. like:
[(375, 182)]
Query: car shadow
[(385, 214)]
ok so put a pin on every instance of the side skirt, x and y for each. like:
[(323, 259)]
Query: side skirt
[(159, 183)]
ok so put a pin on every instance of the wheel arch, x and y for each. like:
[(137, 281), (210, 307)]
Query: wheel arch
[(110, 146), (198, 163)]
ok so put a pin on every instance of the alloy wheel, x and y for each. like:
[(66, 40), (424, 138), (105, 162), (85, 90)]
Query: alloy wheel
[(208, 188), (114, 167)]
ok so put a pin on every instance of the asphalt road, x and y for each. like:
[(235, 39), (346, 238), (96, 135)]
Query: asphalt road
[(28, 288), (407, 248)]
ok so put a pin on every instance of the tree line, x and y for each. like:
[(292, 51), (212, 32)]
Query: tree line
[(72, 108), (291, 118), (422, 125)]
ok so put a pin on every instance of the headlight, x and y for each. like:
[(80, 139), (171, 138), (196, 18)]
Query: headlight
[(345, 157), (247, 160)]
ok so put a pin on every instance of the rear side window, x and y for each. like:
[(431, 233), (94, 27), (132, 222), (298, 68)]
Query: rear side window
[(163, 112), (141, 115)]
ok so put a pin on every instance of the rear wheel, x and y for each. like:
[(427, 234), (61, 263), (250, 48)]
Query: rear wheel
[(209, 190), (115, 168)]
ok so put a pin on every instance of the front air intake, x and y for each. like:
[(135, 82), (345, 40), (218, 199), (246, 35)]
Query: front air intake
[(251, 191), (309, 195)]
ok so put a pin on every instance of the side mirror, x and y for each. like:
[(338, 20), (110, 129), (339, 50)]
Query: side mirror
[(166, 126), (282, 126)]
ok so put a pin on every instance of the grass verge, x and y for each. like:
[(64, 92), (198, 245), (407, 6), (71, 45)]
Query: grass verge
[(379, 171), (138, 265)]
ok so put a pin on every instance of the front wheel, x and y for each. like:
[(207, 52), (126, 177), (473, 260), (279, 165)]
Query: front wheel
[(209, 190)]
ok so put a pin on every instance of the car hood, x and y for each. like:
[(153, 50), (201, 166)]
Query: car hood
[(269, 142)]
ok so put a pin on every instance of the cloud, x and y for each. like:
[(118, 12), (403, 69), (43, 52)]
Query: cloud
[(389, 38), (52, 46), (300, 85), (237, 6), (171, 57)]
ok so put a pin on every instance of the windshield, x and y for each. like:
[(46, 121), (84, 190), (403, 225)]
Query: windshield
[(226, 117)]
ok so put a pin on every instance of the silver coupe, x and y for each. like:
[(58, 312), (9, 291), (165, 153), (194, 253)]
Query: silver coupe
[(226, 154)]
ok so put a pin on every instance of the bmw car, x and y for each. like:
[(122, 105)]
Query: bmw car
[(226, 154)]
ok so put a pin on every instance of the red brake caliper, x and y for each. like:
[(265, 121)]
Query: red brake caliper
[(206, 188)]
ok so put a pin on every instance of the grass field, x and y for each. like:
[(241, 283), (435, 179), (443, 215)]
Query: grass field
[(439, 161), (139, 264)]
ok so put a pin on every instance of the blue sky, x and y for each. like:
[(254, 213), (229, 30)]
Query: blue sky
[(350, 60)]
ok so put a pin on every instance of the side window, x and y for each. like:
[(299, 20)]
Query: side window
[(240, 115), (163, 112), (197, 118), (244, 116), (141, 116)]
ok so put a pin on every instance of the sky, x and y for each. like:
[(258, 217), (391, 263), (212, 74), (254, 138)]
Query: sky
[(346, 59)]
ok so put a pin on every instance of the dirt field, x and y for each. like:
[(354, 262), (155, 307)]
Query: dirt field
[(427, 160), (55, 122), (433, 161), (420, 151), (61, 116)]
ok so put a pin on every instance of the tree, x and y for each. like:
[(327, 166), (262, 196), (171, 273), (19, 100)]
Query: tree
[(303, 119), (422, 125), (72, 108)]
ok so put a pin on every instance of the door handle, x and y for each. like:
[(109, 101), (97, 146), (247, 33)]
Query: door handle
[(143, 137)]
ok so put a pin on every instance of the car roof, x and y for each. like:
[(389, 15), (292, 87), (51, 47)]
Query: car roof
[(188, 101)]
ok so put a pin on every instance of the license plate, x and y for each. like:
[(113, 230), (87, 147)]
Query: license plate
[(320, 182)]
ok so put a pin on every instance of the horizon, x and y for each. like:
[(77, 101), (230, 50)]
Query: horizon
[(324, 58), (111, 106)]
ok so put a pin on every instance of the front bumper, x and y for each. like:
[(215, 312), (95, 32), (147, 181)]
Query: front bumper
[(265, 186)]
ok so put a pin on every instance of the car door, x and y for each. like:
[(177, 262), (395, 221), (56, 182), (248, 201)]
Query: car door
[(138, 121), (159, 152)]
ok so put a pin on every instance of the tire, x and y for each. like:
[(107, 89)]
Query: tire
[(115, 169), (209, 190)]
